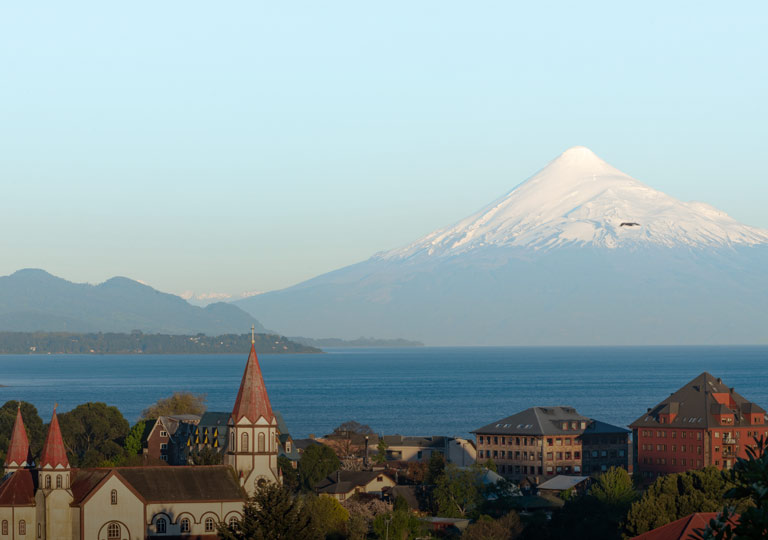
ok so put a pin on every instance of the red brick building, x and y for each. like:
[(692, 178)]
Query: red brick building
[(704, 423)]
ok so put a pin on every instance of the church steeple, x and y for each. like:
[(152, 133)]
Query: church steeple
[(252, 400), (253, 440), (18, 456), (54, 453)]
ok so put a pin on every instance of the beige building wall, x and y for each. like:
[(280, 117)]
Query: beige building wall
[(253, 452), (98, 512), (196, 513), (461, 452), (27, 514), (54, 514)]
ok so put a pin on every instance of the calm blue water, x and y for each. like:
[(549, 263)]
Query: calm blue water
[(448, 391)]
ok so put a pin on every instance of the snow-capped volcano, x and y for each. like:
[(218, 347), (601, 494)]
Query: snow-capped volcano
[(580, 199), (580, 253)]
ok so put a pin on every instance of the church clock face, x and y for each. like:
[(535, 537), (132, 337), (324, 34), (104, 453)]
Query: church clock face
[(260, 481)]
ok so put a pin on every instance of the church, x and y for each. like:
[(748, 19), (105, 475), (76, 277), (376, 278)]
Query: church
[(50, 500)]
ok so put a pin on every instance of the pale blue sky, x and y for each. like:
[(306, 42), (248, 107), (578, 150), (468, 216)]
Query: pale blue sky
[(250, 145)]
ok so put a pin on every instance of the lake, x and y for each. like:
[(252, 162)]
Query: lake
[(420, 391)]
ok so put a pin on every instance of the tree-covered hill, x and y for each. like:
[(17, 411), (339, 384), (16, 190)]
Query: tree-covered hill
[(139, 343)]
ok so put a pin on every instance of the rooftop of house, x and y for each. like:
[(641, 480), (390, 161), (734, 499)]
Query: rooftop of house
[(18, 488), (433, 441), (563, 482), (547, 421), (346, 481), (682, 529), (698, 404)]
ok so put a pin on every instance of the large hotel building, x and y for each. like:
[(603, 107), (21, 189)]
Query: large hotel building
[(542, 442), (704, 423)]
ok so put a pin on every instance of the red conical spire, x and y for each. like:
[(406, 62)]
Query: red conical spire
[(252, 399), (54, 452), (18, 449)]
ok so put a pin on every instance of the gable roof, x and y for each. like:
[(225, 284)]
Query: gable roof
[(18, 488), (183, 483), (252, 400), (696, 404), (18, 447), (346, 481), (84, 481), (54, 452), (682, 529), (547, 421)]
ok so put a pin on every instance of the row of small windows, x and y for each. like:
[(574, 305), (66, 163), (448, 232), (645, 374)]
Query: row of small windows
[(22, 527), (161, 525), (673, 461), (59, 481), (244, 443), (663, 448)]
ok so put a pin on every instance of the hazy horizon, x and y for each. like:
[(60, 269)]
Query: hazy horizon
[(205, 150)]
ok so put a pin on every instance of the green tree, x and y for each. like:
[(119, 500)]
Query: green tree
[(507, 527), (178, 403), (400, 525), (32, 422), (93, 433), (290, 474), (381, 452), (317, 462), (458, 492), (134, 440), (674, 496), (435, 468), (329, 518), (271, 514), (614, 489), (750, 477), (490, 465), (206, 456)]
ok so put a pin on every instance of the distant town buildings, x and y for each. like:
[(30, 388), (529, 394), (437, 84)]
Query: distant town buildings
[(542, 442), (703, 423), (458, 451)]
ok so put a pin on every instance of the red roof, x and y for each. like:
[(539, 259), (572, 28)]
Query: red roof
[(18, 489), (682, 529), (252, 399), (18, 448), (54, 452)]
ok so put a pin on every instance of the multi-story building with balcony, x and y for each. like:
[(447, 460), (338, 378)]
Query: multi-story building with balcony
[(542, 442), (704, 423)]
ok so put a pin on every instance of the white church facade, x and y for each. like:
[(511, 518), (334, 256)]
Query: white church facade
[(50, 500)]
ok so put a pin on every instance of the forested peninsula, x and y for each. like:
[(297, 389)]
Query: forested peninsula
[(139, 343)]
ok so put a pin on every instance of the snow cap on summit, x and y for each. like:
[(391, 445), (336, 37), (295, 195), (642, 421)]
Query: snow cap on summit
[(579, 199)]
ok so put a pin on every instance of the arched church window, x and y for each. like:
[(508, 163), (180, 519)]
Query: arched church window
[(4, 528), (160, 525), (58, 481), (113, 531), (261, 442), (113, 496), (244, 442), (184, 525), (210, 525), (234, 522), (22, 527), (47, 481)]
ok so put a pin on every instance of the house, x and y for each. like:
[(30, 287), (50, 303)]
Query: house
[(682, 529), (560, 483), (420, 448), (703, 423), (167, 438), (343, 484), (51, 500), (542, 442)]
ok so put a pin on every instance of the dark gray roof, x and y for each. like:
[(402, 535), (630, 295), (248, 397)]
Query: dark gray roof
[(214, 419), (547, 421), (435, 441), (695, 406), (185, 483), (346, 481), (562, 482)]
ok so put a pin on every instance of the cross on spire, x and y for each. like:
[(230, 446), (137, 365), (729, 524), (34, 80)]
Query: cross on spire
[(253, 334)]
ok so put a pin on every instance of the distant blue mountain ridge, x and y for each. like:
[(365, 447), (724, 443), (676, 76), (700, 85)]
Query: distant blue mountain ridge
[(33, 300)]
